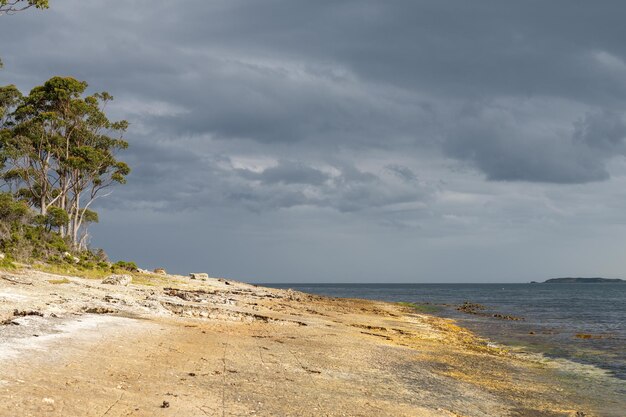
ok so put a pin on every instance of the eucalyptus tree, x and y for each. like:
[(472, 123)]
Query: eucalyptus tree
[(90, 164), (10, 97), (40, 136), (60, 148)]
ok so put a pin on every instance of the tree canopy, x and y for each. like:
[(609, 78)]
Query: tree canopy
[(58, 152)]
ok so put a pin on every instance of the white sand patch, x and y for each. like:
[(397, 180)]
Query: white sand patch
[(84, 328), (11, 296)]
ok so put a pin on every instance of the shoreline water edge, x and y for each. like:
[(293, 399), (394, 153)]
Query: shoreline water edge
[(171, 345), (585, 323)]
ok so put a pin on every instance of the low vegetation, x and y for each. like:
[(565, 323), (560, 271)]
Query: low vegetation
[(27, 237)]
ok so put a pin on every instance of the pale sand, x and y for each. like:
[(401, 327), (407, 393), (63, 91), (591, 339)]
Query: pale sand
[(213, 349)]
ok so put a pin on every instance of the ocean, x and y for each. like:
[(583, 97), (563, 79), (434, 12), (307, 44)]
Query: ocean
[(583, 323)]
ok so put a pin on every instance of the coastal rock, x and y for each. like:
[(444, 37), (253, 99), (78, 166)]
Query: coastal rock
[(69, 257), (160, 271), (507, 317), (199, 276), (123, 280), (142, 271), (471, 308)]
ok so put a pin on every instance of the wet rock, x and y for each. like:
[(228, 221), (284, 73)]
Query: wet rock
[(479, 310), (123, 280), (593, 336), (471, 308), (507, 317), (199, 276)]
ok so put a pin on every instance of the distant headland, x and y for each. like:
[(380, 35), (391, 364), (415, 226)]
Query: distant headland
[(583, 280)]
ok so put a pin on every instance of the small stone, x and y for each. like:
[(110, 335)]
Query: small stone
[(160, 271), (199, 276), (166, 404), (123, 280)]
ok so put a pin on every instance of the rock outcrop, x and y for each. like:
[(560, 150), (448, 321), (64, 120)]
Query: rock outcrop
[(123, 280)]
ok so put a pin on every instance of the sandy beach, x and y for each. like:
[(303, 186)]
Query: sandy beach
[(171, 346)]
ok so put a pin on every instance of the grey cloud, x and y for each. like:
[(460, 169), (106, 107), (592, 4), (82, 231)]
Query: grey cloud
[(380, 122), (507, 149), (401, 171), (288, 172), (358, 74), (604, 131)]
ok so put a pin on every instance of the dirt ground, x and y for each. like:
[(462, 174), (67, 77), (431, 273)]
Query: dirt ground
[(177, 347)]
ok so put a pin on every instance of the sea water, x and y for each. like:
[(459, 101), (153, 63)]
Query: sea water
[(583, 323)]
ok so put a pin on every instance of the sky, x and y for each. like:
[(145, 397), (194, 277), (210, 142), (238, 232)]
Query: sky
[(352, 141)]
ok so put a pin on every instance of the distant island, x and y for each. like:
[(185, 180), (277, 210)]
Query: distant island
[(582, 280)]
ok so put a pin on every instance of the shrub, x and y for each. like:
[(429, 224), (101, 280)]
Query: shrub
[(128, 266), (27, 237)]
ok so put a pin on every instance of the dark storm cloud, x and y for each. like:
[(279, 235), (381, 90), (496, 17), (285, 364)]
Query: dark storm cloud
[(347, 128), (355, 74), (508, 149), (306, 80)]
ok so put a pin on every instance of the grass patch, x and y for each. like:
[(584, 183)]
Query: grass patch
[(151, 280), (6, 264), (71, 270), (59, 281), (421, 308)]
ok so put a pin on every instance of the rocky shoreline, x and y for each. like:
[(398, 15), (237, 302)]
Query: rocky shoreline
[(172, 345)]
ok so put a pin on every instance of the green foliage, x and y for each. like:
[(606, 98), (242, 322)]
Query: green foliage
[(12, 211), (125, 265), (6, 263), (26, 237), (56, 217), (90, 216), (60, 149)]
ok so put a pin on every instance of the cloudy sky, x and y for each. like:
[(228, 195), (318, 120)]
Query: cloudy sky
[(353, 141)]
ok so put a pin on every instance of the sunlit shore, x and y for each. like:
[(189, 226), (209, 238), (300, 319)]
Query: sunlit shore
[(170, 345)]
